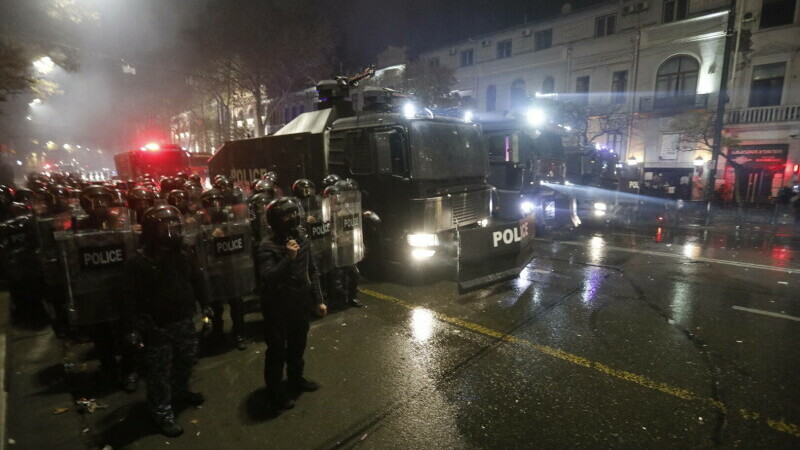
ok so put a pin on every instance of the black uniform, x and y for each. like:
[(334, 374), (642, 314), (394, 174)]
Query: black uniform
[(164, 287), (290, 289)]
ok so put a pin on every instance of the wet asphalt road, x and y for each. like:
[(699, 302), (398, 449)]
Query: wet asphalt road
[(608, 339)]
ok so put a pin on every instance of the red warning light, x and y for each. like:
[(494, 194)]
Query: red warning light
[(152, 146), (796, 168)]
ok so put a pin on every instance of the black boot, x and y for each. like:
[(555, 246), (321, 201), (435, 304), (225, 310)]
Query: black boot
[(279, 400), (303, 385), (170, 427)]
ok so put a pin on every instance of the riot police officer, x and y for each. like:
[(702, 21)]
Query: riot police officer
[(101, 321), (224, 262), (18, 238), (57, 217), (140, 199), (345, 277), (165, 283), (290, 292)]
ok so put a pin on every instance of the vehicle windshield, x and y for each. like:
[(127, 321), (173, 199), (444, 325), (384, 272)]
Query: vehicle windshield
[(447, 150)]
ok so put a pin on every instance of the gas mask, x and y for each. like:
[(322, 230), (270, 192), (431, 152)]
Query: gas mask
[(291, 227)]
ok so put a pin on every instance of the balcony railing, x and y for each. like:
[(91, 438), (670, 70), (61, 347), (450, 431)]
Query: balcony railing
[(764, 114), (673, 104)]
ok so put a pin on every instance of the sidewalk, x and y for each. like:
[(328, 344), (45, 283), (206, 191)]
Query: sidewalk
[(37, 392)]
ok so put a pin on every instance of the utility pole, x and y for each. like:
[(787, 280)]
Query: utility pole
[(730, 33)]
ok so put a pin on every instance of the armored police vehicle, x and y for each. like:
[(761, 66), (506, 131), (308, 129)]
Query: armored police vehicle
[(422, 179)]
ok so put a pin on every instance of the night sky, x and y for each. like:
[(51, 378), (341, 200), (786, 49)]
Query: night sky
[(148, 33)]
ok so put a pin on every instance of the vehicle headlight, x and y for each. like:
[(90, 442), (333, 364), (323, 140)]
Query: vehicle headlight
[(422, 253), (422, 240), (526, 207)]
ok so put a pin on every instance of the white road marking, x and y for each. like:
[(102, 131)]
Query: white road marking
[(767, 313), (698, 258)]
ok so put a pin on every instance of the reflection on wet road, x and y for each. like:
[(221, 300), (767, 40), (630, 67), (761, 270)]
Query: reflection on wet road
[(700, 317)]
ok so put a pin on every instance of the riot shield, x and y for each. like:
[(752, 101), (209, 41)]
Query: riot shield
[(348, 237), (318, 225), (19, 250), (494, 253), (191, 232), (93, 265), (47, 228), (226, 252)]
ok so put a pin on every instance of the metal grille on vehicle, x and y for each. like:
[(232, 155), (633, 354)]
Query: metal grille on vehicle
[(467, 207)]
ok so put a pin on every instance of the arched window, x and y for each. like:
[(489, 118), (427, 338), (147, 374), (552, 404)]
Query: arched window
[(491, 98), (518, 96), (548, 85), (677, 77)]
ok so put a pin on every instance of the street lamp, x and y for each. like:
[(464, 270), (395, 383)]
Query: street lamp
[(536, 117), (698, 162), (44, 65), (632, 161)]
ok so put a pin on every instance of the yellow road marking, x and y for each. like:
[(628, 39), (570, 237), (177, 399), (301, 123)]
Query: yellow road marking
[(684, 394)]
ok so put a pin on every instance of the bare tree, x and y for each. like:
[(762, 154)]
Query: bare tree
[(270, 48), (15, 73), (696, 129), (591, 122)]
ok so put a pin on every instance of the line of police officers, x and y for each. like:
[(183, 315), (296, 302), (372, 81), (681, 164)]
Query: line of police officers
[(69, 246)]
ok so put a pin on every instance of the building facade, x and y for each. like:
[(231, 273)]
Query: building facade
[(652, 62)]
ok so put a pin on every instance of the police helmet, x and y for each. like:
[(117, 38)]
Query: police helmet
[(330, 180), (25, 196), (344, 185), (118, 198), (284, 215), (17, 209), (96, 200), (262, 186), (271, 176), (223, 184), (195, 178), (212, 198), (168, 184), (179, 198), (353, 184), (58, 199), (303, 188), (163, 226), (140, 199), (6, 195), (258, 204), (332, 190), (182, 176), (237, 196), (194, 191)]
